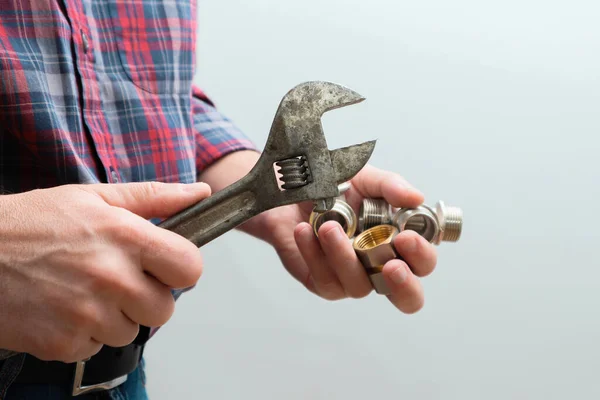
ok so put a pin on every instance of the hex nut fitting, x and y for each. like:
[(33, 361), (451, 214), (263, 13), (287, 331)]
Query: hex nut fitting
[(374, 247), (341, 213)]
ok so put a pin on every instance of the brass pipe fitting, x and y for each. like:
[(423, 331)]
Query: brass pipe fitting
[(374, 247), (341, 212)]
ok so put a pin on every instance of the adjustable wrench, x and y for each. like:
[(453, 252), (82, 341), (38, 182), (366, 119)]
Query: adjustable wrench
[(308, 171)]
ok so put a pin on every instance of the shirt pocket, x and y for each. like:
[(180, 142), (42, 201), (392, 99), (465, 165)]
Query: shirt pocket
[(155, 41)]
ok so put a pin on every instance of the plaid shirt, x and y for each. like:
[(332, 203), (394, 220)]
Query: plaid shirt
[(101, 91)]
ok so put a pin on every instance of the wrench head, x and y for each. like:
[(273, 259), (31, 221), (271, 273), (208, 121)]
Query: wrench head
[(297, 133)]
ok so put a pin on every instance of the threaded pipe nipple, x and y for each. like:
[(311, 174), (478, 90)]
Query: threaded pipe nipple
[(453, 218), (374, 212)]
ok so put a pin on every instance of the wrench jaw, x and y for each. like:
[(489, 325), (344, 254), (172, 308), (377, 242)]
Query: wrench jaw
[(297, 134), (324, 205), (313, 99)]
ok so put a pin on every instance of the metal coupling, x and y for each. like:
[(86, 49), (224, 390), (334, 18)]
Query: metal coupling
[(374, 212), (437, 224), (341, 212), (450, 220), (374, 247), (422, 220)]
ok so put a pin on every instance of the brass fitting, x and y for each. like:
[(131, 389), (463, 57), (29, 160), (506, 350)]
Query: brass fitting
[(341, 212), (374, 247), (436, 224)]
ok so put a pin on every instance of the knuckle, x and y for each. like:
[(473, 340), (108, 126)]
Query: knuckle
[(109, 280), (195, 268), (57, 348), (125, 230), (126, 335), (164, 313), (87, 316), (188, 260), (154, 188)]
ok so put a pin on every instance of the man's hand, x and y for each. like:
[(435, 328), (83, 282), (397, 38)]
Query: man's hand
[(328, 266), (81, 266)]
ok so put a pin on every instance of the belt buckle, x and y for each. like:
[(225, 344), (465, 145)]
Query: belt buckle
[(78, 389)]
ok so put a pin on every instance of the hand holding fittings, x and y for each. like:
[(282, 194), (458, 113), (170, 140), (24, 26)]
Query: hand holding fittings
[(378, 223)]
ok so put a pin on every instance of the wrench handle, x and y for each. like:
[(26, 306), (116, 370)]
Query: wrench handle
[(216, 215)]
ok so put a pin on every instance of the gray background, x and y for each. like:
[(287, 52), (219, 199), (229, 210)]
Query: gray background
[(491, 106)]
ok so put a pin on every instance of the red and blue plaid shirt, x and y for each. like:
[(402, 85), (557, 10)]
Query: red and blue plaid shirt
[(101, 91)]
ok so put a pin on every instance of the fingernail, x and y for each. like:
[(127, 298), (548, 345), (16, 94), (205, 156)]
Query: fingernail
[(336, 234), (399, 275), (410, 245)]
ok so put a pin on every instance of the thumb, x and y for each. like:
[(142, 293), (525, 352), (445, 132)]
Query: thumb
[(151, 199)]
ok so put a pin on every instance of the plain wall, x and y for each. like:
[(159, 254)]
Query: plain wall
[(490, 106)]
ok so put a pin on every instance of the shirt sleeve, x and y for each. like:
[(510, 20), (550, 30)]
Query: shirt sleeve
[(216, 135)]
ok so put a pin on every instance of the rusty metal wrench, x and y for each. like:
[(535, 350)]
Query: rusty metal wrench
[(308, 171)]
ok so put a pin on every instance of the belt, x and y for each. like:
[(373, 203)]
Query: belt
[(105, 370)]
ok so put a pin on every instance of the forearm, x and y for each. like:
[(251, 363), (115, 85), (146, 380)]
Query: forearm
[(229, 169)]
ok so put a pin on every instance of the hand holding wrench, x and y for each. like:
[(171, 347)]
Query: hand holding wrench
[(297, 145)]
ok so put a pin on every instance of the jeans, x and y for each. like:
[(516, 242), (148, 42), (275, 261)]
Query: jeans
[(133, 389)]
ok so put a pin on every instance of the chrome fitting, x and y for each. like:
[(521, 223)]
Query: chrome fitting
[(436, 225), (374, 212), (341, 212), (450, 220), (422, 220), (374, 247)]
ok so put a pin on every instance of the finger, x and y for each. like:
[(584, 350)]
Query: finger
[(341, 258), (418, 253), (406, 290), (151, 199), (324, 279), (148, 302), (374, 183), (88, 349), (118, 330), (170, 258)]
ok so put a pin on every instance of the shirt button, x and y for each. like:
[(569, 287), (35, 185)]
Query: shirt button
[(86, 43), (114, 176)]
